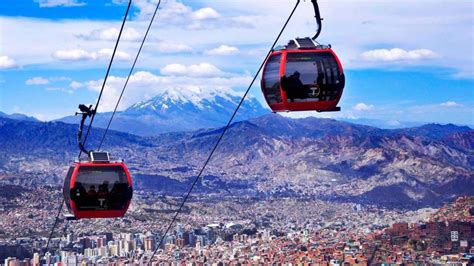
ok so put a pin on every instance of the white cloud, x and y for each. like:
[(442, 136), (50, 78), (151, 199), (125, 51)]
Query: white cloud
[(111, 34), (107, 53), (223, 50), (199, 70), (174, 69), (174, 12), (59, 89), (205, 13), (171, 11), (397, 54), (73, 55), (43, 81), (60, 78), (76, 85), (57, 3), (37, 81), (450, 104), (82, 55), (171, 47), (7, 62), (363, 107)]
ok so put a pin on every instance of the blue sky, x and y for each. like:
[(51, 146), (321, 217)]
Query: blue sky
[(404, 61)]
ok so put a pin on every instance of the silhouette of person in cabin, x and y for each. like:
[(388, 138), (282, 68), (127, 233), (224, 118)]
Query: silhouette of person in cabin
[(117, 195), (293, 87), (92, 197), (92, 191), (78, 194)]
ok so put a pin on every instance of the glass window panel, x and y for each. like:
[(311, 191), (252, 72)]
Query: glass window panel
[(311, 77), (271, 80)]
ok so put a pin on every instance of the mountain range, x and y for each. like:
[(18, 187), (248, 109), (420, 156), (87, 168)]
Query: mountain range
[(264, 157), (174, 111), (17, 116)]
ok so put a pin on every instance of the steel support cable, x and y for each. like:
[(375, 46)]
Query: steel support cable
[(106, 76), (54, 226), (93, 115), (222, 135), (129, 74)]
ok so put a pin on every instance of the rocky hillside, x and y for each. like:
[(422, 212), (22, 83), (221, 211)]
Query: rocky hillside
[(267, 156)]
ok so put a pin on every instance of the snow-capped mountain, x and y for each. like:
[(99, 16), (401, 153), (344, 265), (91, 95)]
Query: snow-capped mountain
[(174, 111)]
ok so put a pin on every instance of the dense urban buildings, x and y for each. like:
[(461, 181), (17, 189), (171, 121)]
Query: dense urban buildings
[(241, 231)]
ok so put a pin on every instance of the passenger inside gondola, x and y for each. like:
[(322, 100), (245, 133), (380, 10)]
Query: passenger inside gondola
[(98, 196), (293, 87), (117, 196), (92, 192), (78, 193), (88, 190)]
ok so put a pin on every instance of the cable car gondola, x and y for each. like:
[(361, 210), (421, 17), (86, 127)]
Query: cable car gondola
[(98, 188), (303, 76)]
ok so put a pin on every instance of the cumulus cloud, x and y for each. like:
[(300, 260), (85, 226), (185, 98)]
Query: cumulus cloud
[(450, 104), (223, 50), (61, 89), (58, 3), (199, 70), (61, 78), (82, 55), (171, 11), (76, 85), (7, 62), (363, 107), (107, 53), (171, 47), (73, 55), (37, 81), (397, 54), (111, 34), (205, 13), (174, 12)]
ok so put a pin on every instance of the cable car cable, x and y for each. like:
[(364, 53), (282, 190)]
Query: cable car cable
[(54, 226), (106, 76), (93, 115), (129, 74), (222, 134)]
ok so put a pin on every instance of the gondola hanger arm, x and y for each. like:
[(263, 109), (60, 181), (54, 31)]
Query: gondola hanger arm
[(317, 15), (86, 112)]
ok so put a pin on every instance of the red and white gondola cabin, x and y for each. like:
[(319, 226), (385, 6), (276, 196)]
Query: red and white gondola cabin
[(303, 76), (98, 188)]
